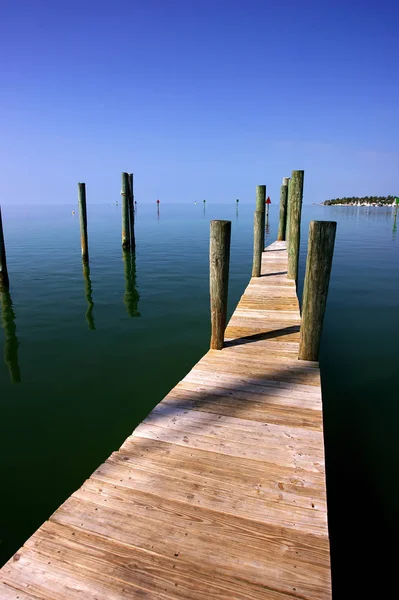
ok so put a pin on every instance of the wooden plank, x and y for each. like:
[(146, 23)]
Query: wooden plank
[(198, 535), (8, 592)]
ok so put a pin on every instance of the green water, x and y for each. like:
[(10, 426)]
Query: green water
[(94, 356)]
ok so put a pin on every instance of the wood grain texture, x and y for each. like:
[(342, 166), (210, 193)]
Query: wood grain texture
[(219, 259), (282, 225), (218, 494), (295, 212), (317, 278), (258, 243)]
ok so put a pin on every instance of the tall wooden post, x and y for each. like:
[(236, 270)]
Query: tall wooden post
[(295, 201), (83, 221), (282, 226), (260, 206), (258, 247), (287, 228), (131, 213), (219, 256), (317, 278), (4, 281), (125, 212)]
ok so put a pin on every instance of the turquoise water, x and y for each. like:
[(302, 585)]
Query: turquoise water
[(95, 356)]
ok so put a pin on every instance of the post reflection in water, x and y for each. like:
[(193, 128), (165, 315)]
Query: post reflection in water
[(132, 296), (10, 338), (395, 214), (89, 296)]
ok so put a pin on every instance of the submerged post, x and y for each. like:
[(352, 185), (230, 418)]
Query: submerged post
[(282, 226), (295, 210), (219, 256), (125, 211), (260, 206), (83, 221), (258, 247), (4, 281), (131, 213), (317, 278)]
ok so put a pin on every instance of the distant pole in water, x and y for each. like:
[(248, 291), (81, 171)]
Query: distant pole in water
[(89, 296), (83, 221), (282, 226), (4, 281), (295, 210), (219, 258), (125, 212), (131, 214), (10, 338), (260, 207), (317, 279)]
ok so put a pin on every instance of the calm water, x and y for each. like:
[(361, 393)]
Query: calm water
[(89, 374)]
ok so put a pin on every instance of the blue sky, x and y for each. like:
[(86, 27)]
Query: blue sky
[(200, 99)]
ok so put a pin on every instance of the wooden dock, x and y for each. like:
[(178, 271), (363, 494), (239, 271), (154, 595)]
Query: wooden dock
[(218, 495)]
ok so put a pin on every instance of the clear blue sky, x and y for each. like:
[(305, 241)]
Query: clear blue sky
[(200, 98)]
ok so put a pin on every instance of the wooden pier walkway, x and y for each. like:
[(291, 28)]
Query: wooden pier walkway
[(218, 495)]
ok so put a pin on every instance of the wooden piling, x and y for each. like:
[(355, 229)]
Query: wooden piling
[(131, 213), (287, 228), (4, 281), (83, 221), (219, 256), (258, 244), (282, 226), (260, 206), (317, 278), (295, 210), (125, 212)]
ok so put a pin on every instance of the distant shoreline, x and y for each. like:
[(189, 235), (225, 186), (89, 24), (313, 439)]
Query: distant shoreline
[(362, 201)]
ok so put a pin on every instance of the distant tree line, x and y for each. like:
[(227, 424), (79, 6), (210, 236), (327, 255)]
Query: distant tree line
[(378, 200)]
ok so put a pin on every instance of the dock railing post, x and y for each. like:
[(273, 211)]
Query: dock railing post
[(258, 241), (131, 213), (125, 211), (282, 226), (317, 278), (83, 221), (4, 281), (219, 256), (295, 212)]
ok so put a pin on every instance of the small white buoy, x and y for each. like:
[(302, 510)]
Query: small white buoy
[(73, 212)]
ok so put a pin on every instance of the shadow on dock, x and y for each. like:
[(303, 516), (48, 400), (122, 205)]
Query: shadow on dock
[(11, 343), (132, 296), (266, 335), (89, 296)]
